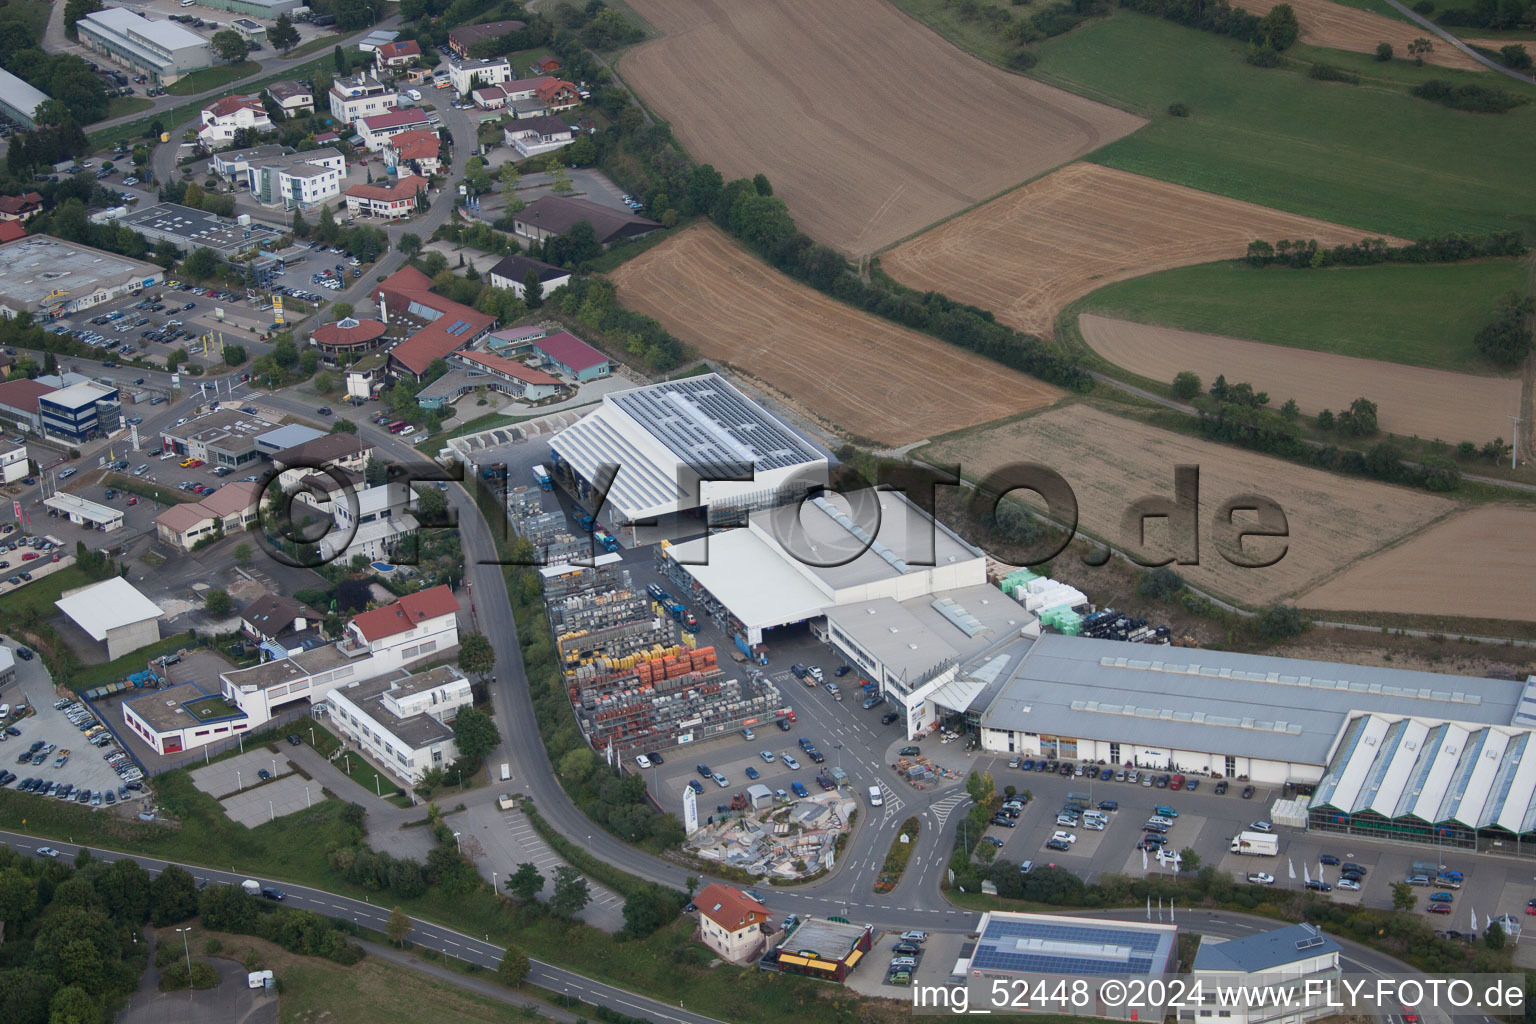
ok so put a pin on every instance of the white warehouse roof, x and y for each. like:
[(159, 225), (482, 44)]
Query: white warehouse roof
[(750, 578), (107, 605), (665, 436)]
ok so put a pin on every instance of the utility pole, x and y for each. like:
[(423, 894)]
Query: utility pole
[(1514, 448)]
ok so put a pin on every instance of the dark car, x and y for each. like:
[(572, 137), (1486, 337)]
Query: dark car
[(656, 758), (842, 670), (324, 410), (703, 770), (696, 785), (273, 894), (889, 717), (294, 741), (1247, 792), (1328, 859), (24, 653), (1221, 788), (1109, 805), (816, 755), (784, 725), (1350, 865), (1318, 885), (1057, 844), (1162, 782), (263, 774)]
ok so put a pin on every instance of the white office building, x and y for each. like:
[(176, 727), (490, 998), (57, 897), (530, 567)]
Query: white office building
[(1274, 977), (477, 72), (297, 180), (163, 50), (362, 96), (401, 720)]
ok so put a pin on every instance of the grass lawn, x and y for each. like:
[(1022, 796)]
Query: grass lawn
[(122, 106), (1419, 315), (1367, 155), (199, 82), (357, 768), (154, 492), (39, 595), (99, 675), (33, 13), (325, 42)]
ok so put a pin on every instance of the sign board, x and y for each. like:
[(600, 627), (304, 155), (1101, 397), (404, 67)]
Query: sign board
[(175, 380), (277, 309), (218, 311), (16, 505), (690, 798)]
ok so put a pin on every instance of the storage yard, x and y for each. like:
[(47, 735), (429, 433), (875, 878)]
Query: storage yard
[(1027, 254), (837, 362), (1110, 462), (853, 111), (1411, 399), (1342, 27), (1469, 565)]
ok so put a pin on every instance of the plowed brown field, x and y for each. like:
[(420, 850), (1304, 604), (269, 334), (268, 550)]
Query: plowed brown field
[(1111, 462), (867, 375), (869, 125), (1027, 254), (1325, 23), (1411, 399), (1478, 563)]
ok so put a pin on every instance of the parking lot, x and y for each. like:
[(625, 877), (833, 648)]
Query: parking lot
[(86, 767)]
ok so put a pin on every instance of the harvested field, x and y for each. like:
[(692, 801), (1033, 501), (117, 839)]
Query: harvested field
[(1027, 254), (838, 102), (1325, 23), (1410, 399), (1478, 564), (1112, 462), (867, 375)]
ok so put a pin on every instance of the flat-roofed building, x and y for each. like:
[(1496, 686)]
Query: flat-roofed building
[(223, 438), (162, 50), (377, 130), (51, 278), (114, 613), (188, 229), (81, 512), (183, 717), (822, 948), (402, 720), (359, 97), (19, 100), (1274, 977), (81, 411), (471, 72), (13, 462), (294, 97)]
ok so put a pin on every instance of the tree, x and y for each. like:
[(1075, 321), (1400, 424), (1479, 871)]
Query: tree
[(342, 424), (398, 929), (981, 787), (576, 246), (475, 733), (1493, 938), (410, 244), (166, 254), (582, 152), (1279, 27), (1280, 622), (283, 36), (326, 228), (242, 554), (1383, 51), (229, 45), (1507, 340), (176, 358), (342, 310), (343, 66), (217, 603), (1186, 385), (73, 1005), (526, 883), (533, 289), (18, 897), (1403, 897), (476, 655), (1359, 420), (1515, 56), (1161, 584), (1290, 411), (1419, 49), (202, 262), (1189, 860), (514, 967), (761, 184), (570, 895), (375, 472), (172, 895), (647, 908), (1325, 420), (74, 10)]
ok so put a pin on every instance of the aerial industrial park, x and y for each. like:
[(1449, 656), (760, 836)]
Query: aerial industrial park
[(633, 512)]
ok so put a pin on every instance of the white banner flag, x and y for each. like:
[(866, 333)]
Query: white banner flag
[(1306, 876), (1290, 866)]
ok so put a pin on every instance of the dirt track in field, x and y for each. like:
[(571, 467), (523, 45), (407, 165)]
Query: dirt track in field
[(1410, 399), (1325, 23), (1111, 462), (869, 125), (1479, 564), (866, 375), (1027, 254)]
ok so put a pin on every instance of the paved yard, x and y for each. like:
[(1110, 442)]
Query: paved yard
[(272, 800), (237, 773)]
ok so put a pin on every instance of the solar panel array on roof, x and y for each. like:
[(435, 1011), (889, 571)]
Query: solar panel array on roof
[(713, 427), (1038, 947), (459, 327), (1310, 943)]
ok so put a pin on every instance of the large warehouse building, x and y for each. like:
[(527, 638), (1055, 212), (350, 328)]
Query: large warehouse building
[(163, 50), (50, 278), (19, 100), (681, 445)]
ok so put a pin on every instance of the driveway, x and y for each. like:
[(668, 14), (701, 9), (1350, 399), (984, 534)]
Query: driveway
[(230, 1002)]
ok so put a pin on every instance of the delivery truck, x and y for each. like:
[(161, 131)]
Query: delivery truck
[(542, 476), (1259, 844)]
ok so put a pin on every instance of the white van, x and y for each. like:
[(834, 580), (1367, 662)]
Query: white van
[(876, 799), (188, 3), (414, 94), (506, 772)]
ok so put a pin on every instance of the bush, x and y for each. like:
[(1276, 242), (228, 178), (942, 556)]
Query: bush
[(1178, 109), (1424, 7), (1329, 73), (1263, 56), (175, 976), (1280, 622), (1480, 99), (1383, 51), (1186, 385), (1515, 56)]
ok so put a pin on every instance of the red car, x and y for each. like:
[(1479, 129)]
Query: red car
[(29, 556), (195, 463), (1439, 908), (133, 500)]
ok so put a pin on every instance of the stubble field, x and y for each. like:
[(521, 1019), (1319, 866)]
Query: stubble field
[(869, 125), (1111, 462), (1410, 399), (869, 376), (1325, 23), (1027, 254), (1478, 563)]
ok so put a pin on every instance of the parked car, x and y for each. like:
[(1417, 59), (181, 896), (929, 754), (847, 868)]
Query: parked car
[(1261, 878), (1328, 859), (1247, 792), (790, 762), (1318, 885), (1260, 826)]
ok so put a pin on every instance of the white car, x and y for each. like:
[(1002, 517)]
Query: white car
[(790, 762), (47, 851), (641, 761), (1066, 837), (1261, 878), (1158, 819), (1169, 857), (1347, 883), (1260, 826), (5, 710), (1093, 825), (720, 780), (766, 755)]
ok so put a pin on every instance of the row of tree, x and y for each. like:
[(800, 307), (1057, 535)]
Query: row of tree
[(1453, 248)]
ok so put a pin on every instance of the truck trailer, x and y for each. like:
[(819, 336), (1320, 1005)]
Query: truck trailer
[(1258, 844), (542, 476)]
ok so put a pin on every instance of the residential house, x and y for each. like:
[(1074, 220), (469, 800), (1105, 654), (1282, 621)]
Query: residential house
[(294, 97), (363, 96), (231, 508), (281, 625), (343, 451), (401, 720), (395, 201), (414, 627), (533, 136), (10, 231), (20, 207), (419, 149), (222, 118), (375, 131), (463, 38), (546, 65), (731, 922), (469, 73), (558, 95), (549, 216), (393, 56), (512, 271), (13, 462), (489, 97)]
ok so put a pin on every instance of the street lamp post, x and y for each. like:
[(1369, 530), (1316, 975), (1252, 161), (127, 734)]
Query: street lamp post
[(188, 950), (238, 783), (457, 844)]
